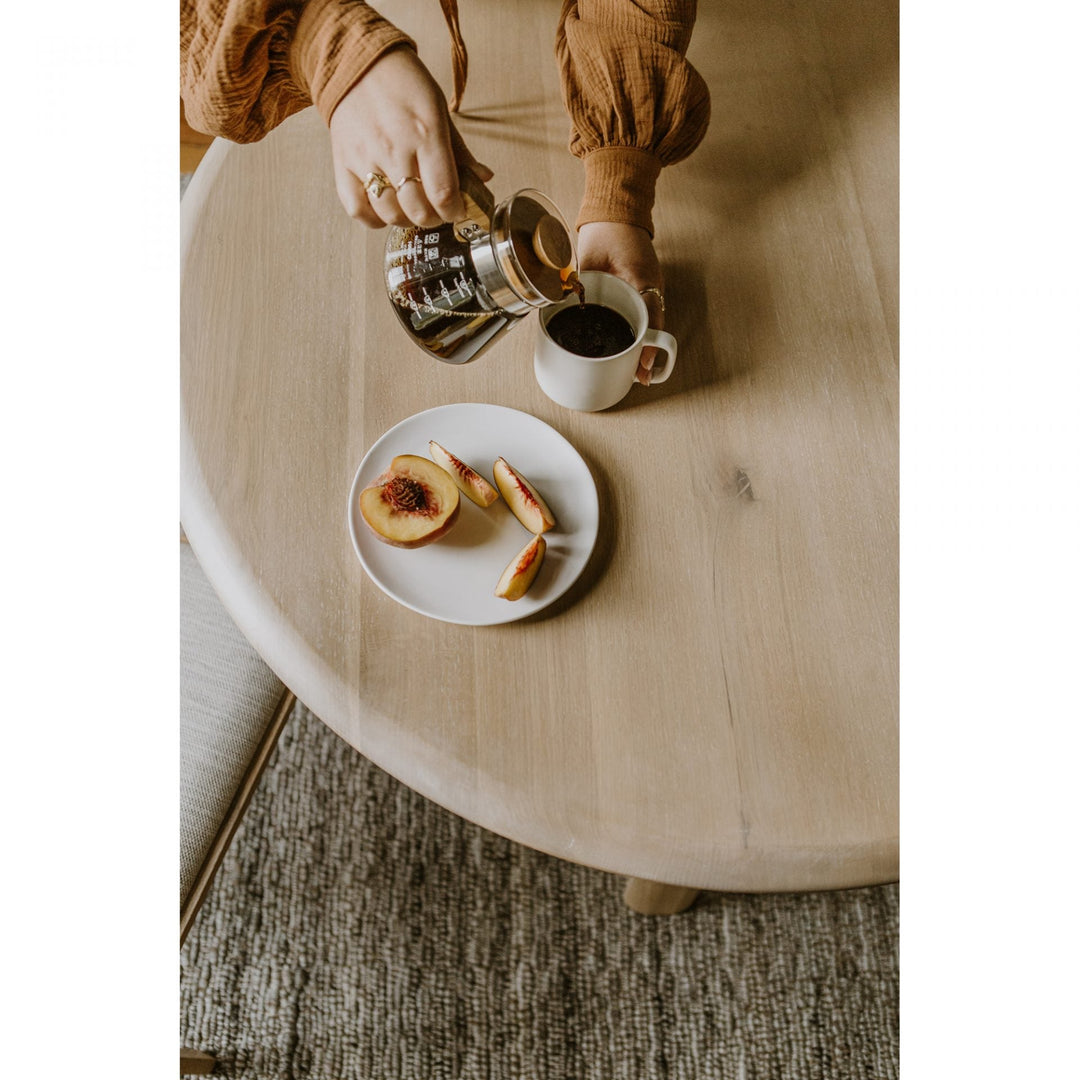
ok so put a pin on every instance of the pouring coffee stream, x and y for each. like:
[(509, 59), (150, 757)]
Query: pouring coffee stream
[(459, 286)]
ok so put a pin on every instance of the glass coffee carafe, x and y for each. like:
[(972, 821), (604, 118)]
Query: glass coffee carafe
[(458, 286)]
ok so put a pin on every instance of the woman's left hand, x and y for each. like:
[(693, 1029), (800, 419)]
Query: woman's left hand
[(627, 252)]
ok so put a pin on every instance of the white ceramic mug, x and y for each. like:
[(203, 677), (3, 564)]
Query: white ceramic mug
[(594, 383)]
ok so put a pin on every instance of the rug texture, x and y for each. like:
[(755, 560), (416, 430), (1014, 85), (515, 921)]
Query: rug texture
[(356, 930)]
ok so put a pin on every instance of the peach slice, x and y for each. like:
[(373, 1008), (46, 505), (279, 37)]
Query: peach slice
[(522, 569), (413, 503), (528, 506), (466, 478)]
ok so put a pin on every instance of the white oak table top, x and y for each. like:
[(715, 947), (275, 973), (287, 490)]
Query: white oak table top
[(715, 701)]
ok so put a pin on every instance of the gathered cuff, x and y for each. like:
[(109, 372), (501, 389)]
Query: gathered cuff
[(620, 185), (334, 47)]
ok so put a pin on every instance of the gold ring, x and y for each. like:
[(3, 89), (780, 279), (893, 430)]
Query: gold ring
[(375, 184), (407, 180), (654, 291)]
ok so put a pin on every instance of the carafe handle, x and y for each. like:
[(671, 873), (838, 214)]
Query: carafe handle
[(479, 206)]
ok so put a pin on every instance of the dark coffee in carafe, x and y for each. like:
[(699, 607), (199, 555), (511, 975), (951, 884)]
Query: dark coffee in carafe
[(457, 287)]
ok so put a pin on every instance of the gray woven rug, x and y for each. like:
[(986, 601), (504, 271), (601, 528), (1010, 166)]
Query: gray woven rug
[(357, 930)]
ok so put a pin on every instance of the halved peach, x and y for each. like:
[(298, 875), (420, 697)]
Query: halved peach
[(466, 477), (522, 569), (528, 506), (413, 503)]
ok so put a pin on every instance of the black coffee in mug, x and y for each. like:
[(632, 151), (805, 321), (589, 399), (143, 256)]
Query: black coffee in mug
[(590, 330)]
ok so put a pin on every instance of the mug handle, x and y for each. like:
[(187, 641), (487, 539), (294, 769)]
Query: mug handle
[(661, 339)]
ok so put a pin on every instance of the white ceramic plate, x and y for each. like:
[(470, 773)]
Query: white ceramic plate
[(454, 579)]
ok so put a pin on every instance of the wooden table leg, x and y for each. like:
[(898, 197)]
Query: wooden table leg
[(655, 898), (195, 1063)]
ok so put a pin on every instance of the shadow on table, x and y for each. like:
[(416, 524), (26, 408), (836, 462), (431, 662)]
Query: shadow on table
[(707, 357), (773, 122), (601, 556)]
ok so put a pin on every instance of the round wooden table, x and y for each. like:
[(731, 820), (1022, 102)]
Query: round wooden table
[(714, 703)]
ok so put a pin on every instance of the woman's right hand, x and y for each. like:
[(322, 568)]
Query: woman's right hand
[(395, 122)]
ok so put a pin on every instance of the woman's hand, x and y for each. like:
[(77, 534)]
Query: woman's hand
[(395, 122), (627, 252)]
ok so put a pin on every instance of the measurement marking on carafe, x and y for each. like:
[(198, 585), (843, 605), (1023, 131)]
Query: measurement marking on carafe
[(455, 287), (427, 306)]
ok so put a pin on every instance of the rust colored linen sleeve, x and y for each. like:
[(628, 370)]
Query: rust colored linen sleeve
[(635, 103), (247, 65)]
